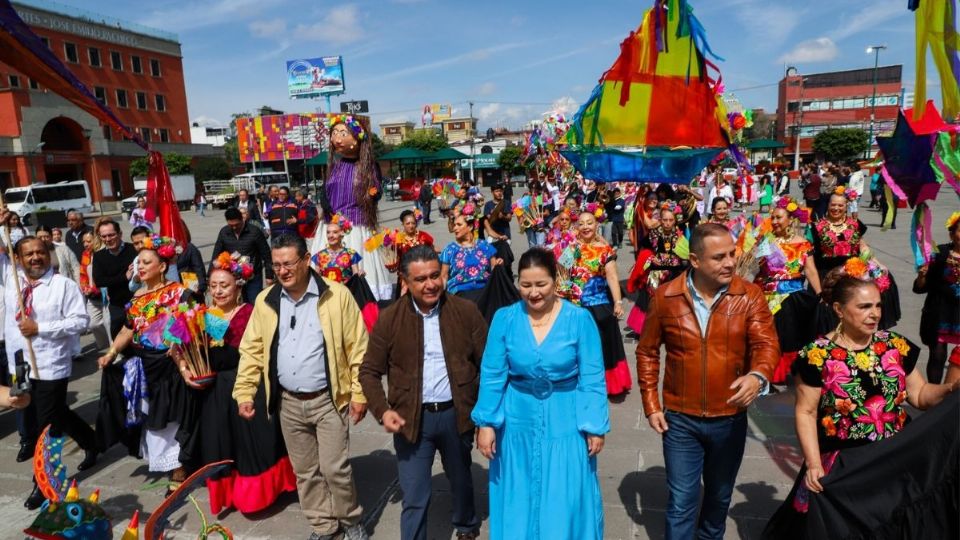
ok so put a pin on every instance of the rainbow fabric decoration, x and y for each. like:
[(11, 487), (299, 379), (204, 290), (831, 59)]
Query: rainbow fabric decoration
[(657, 96), (935, 23)]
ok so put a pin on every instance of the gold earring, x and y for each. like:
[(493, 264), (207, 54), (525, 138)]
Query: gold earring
[(839, 329)]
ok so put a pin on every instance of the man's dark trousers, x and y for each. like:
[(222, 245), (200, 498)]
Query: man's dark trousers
[(438, 431)]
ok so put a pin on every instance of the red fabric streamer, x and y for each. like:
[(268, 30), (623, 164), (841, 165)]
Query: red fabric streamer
[(163, 203)]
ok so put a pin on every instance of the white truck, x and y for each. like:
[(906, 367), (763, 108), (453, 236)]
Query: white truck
[(221, 193), (184, 189)]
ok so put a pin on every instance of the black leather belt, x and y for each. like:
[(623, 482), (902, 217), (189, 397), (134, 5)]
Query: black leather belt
[(304, 396), (438, 407)]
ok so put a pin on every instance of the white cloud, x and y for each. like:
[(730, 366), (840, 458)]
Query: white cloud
[(821, 49), (517, 20), (868, 18), (203, 14), (269, 28), (489, 112), (207, 121), (475, 55), (339, 25), (565, 105), (486, 89)]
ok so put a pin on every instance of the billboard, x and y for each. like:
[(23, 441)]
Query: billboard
[(273, 138), (315, 77), (435, 112)]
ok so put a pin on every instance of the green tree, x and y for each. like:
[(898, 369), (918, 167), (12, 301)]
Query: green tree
[(840, 144), (510, 160), (176, 164), (211, 169), (425, 140), (379, 147)]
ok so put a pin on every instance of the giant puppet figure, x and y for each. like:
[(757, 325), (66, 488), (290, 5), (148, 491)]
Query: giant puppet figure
[(352, 190)]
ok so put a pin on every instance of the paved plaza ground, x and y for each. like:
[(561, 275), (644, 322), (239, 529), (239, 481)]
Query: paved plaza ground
[(631, 465)]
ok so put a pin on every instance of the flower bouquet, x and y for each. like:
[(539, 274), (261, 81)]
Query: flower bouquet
[(188, 334), (386, 242), (528, 212)]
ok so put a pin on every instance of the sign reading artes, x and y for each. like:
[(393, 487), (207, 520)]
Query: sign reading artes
[(314, 77)]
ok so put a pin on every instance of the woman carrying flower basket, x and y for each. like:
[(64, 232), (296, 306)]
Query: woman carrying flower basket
[(261, 470)]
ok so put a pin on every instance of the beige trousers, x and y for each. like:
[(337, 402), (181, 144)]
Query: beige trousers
[(317, 438)]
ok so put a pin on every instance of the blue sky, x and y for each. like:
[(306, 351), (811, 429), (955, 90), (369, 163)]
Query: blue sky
[(514, 59)]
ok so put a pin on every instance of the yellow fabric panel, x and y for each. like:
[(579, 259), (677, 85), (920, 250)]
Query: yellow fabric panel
[(625, 125)]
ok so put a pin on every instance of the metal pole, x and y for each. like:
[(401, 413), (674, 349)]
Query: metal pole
[(873, 104), (796, 135), (471, 144)]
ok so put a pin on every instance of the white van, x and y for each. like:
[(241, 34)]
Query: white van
[(66, 195)]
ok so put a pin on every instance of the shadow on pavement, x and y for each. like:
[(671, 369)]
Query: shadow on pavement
[(644, 497)]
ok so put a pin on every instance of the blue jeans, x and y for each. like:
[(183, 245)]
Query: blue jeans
[(696, 448), (438, 431), (535, 238)]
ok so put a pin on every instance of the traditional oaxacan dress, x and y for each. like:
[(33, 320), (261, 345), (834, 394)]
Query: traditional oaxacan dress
[(340, 194), (586, 286), (885, 477), (261, 470), (147, 391), (792, 304), (833, 245), (469, 268), (657, 263), (940, 319), (336, 265), (543, 399)]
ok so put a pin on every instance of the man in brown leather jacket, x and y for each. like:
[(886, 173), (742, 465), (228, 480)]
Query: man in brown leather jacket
[(429, 345), (721, 349)]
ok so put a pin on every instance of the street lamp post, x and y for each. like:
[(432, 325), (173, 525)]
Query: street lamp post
[(875, 49), (469, 130), (798, 127)]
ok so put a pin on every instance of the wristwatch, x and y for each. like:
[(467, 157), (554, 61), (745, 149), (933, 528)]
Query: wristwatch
[(764, 384)]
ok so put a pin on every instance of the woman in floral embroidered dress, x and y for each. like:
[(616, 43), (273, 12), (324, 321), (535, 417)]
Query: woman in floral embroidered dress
[(851, 385), (940, 319), (786, 269), (657, 262), (152, 394), (836, 239), (337, 262), (466, 263), (589, 279)]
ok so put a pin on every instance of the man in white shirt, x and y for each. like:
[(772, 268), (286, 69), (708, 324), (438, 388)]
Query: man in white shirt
[(53, 318)]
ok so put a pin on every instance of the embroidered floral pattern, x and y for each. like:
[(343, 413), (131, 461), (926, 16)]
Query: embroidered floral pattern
[(587, 283), (143, 310), (469, 266), (839, 243), (863, 391), (336, 265)]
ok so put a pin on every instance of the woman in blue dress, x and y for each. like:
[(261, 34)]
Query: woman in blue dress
[(542, 412), (466, 263)]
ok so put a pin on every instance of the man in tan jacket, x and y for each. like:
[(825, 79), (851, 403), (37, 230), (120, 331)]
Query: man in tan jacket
[(306, 340), (721, 347)]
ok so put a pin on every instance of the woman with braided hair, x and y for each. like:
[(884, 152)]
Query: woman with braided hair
[(353, 190)]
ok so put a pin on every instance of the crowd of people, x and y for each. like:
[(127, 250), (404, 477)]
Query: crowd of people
[(525, 365)]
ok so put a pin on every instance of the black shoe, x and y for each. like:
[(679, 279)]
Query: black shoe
[(26, 452), (89, 460), (35, 499)]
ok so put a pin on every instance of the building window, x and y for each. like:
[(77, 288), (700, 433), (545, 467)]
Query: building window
[(101, 94), (34, 85), (154, 67), (145, 134), (164, 135), (116, 60), (107, 133), (94, 54), (161, 103), (136, 64), (14, 81), (142, 101), (70, 53), (121, 98)]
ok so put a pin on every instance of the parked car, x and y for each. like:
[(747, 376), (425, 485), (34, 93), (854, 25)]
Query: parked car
[(63, 196)]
